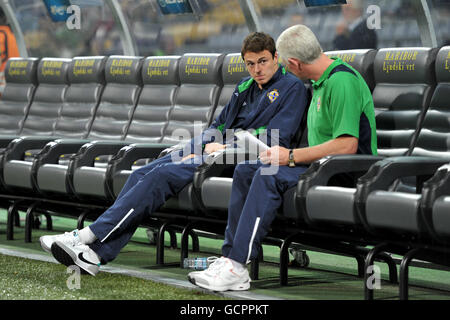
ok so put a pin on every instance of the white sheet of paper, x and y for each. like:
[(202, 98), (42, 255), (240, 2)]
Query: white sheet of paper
[(246, 139)]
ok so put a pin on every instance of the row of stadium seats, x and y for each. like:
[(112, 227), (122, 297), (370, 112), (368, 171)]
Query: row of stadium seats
[(102, 105), (74, 129), (135, 100)]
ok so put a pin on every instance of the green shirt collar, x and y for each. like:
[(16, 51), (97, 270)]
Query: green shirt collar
[(326, 73)]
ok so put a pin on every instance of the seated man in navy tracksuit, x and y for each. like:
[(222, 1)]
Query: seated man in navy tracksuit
[(271, 98)]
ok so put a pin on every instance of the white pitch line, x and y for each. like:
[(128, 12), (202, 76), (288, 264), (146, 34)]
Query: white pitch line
[(247, 295)]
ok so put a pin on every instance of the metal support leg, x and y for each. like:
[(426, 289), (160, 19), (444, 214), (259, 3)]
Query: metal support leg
[(13, 213), (185, 242), (370, 258), (380, 256), (160, 244), (254, 269), (48, 217), (173, 239), (195, 245), (17, 219), (393, 278), (284, 259), (254, 266), (81, 218), (404, 272), (29, 220), (361, 263)]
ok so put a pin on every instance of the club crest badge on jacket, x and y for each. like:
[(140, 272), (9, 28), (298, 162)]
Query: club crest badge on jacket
[(273, 95)]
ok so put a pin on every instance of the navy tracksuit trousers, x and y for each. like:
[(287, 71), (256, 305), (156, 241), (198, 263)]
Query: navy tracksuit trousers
[(145, 191), (256, 195)]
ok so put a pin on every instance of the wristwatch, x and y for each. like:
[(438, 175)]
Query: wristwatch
[(291, 158)]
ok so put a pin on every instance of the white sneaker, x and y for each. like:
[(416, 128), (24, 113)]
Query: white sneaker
[(80, 255), (223, 276), (70, 238), (191, 275)]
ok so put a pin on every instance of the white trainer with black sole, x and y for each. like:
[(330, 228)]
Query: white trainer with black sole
[(70, 238), (222, 276), (80, 255)]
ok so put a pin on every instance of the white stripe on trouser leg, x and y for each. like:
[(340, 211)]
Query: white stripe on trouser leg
[(118, 225), (250, 245)]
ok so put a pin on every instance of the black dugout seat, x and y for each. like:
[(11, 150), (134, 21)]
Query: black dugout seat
[(118, 100), (49, 97), (436, 209), (200, 86), (160, 76), (409, 224), (21, 83), (362, 60), (233, 71), (87, 82), (323, 202), (441, 118), (195, 104), (405, 82), (120, 96), (114, 112), (415, 220), (418, 227), (399, 211), (38, 126)]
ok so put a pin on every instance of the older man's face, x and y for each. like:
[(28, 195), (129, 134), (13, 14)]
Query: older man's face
[(296, 67)]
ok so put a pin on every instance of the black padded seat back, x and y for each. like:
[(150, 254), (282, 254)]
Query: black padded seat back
[(405, 81), (233, 70), (119, 98), (21, 83), (87, 80), (196, 100), (160, 76), (362, 60), (434, 137), (48, 98)]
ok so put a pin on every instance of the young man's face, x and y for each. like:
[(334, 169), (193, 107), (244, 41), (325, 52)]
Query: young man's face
[(261, 65)]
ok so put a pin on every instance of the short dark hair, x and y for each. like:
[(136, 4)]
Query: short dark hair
[(257, 42)]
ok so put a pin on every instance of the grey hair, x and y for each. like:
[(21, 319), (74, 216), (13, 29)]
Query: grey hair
[(299, 42)]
